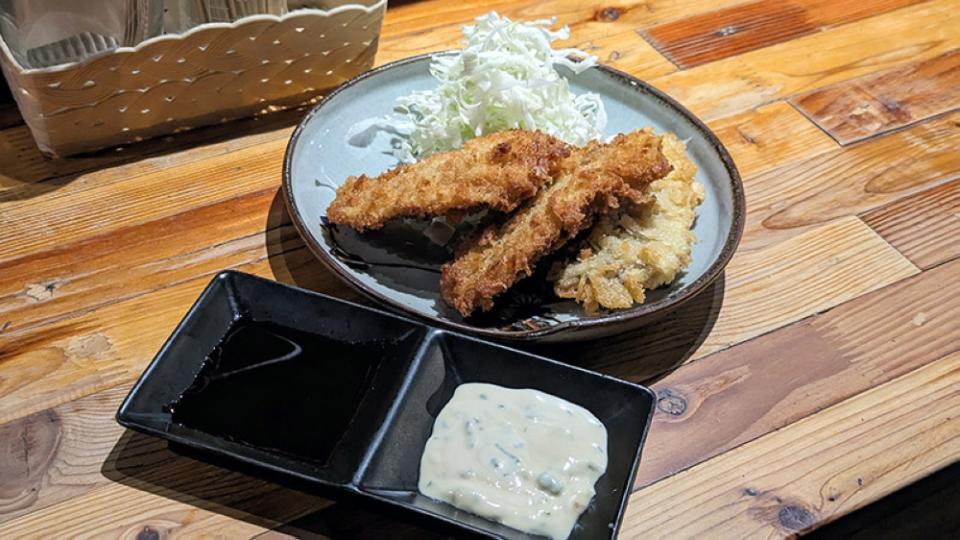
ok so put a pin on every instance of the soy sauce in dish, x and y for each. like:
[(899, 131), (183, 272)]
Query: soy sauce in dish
[(278, 388)]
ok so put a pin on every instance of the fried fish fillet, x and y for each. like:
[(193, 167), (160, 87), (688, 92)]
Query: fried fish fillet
[(593, 179), (639, 247), (497, 171)]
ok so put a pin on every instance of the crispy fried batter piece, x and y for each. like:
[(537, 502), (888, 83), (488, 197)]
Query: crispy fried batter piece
[(498, 171), (639, 247), (593, 180)]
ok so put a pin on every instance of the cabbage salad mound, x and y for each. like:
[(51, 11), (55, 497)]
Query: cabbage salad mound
[(505, 78)]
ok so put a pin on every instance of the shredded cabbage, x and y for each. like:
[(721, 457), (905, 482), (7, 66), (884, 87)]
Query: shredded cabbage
[(504, 78)]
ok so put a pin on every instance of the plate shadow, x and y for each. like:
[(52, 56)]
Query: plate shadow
[(292, 263), (650, 352), (149, 464)]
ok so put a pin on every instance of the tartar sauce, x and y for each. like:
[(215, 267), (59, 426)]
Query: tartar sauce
[(524, 458)]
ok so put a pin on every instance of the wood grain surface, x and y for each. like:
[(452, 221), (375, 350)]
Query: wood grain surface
[(879, 102), (814, 469), (754, 78), (735, 30), (922, 227), (847, 350), (819, 374), (839, 183)]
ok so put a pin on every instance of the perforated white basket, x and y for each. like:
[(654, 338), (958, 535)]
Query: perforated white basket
[(209, 74)]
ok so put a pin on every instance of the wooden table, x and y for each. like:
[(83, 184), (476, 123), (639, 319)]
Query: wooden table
[(821, 373)]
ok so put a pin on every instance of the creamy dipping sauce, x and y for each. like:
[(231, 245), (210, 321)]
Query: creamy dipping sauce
[(523, 458)]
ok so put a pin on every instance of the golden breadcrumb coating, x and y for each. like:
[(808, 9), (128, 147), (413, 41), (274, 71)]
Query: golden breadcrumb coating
[(640, 247), (498, 171), (593, 180)]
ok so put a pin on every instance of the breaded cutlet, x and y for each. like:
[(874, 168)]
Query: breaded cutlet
[(592, 180), (498, 171)]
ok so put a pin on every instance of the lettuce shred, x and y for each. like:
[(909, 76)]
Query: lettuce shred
[(504, 78)]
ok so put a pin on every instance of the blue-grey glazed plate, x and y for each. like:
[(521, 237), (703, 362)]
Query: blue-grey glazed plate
[(399, 265)]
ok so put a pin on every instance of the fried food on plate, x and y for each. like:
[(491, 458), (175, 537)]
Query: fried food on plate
[(639, 247), (497, 171), (594, 179)]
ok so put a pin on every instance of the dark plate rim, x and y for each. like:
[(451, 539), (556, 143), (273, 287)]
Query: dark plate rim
[(641, 311)]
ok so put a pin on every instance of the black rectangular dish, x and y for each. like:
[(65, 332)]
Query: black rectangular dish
[(339, 399)]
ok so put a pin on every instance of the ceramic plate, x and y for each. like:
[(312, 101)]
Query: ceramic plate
[(399, 265)]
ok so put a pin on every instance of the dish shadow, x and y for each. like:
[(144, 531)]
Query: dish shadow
[(149, 464), (652, 351), (350, 522)]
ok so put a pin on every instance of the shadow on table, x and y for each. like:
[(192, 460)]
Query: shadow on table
[(291, 262), (642, 355), (147, 463), (32, 174), (350, 522), (649, 353)]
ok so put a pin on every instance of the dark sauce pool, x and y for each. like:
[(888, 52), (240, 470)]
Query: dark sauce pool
[(279, 389)]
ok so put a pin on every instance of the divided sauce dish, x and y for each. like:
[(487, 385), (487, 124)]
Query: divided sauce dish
[(373, 453)]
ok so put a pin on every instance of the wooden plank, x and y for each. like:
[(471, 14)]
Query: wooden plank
[(435, 25), (815, 469), (67, 447), (78, 448), (763, 290), (625, 51), (41, 223), (770, 382), (924, 227), (926, 508), (73, 357), (712, 36), (867, 106), (105, 268), (85, 353), (57, 284), (26, 173), (748, 80), (155, 493), (770, 136), (789, 200)]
